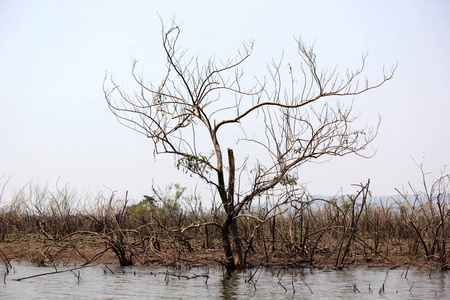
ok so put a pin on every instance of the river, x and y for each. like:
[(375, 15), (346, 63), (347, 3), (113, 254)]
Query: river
[(115, 282)]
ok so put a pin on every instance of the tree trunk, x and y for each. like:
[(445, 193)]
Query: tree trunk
[(230, 234), (237, 253), (229, 259), (232, 245)]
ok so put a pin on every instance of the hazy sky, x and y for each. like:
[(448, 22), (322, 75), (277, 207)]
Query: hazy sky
[(54, 121)]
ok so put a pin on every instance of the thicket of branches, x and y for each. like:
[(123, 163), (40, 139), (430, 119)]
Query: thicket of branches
[(171, 227)]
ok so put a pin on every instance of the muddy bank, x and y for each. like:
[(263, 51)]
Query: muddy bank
[(41, 252)]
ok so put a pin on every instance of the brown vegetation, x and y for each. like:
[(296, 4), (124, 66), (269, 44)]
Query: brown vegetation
[(172, 229)]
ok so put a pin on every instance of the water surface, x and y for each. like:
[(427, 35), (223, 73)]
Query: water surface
[(114, 282)]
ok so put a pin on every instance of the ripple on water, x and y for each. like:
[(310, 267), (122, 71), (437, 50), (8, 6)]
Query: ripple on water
[(114, 282)]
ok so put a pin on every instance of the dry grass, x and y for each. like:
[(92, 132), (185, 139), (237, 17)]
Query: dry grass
[(45, 227)]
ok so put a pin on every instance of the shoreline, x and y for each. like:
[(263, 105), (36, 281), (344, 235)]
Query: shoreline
[(42, 253)]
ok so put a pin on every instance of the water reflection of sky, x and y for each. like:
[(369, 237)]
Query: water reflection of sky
[(99, 282)]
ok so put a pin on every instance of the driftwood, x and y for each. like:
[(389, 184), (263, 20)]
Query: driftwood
[(54, 272)]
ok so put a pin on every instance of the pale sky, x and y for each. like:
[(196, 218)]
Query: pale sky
[(54, 121)]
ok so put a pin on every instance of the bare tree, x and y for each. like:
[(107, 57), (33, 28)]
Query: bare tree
[(195, 109)]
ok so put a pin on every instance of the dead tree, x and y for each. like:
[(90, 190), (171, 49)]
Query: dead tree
[(195, 109)]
